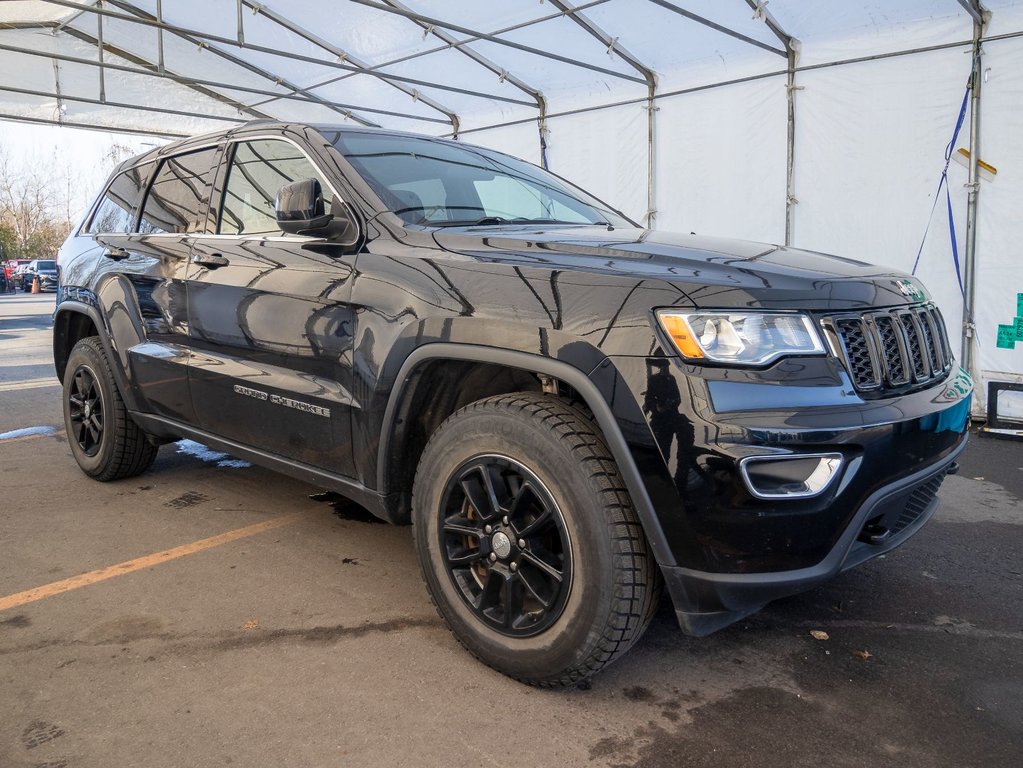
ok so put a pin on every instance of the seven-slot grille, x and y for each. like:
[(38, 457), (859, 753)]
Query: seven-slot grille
[(893, 349)]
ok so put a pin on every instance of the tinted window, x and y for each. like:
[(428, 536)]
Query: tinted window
[(178, 193), (442, 183), (116, 211), (46, 265), (258, 169)]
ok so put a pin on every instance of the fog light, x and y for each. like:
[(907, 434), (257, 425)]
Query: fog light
[(796, 476)]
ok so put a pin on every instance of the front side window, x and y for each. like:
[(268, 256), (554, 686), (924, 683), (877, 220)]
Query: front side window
[(258, 170), (178, 193), (116, 211), (441, 183)]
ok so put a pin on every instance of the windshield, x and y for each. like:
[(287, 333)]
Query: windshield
[(442, 184), (46, 265)]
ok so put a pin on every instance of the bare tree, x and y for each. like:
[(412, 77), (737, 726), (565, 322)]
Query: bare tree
[(40, 198)]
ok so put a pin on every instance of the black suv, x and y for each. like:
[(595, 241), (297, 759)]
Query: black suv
[(571, 410)]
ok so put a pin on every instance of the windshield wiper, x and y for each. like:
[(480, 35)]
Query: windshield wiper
[(495, 220)]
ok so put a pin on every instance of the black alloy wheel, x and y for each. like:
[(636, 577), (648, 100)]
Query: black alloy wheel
[(528, 541), (105, 441), (85, 405), (505, 545)]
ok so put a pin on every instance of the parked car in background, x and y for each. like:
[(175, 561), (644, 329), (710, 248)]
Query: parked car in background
[(45, 270), (573, 411), (15, 269)]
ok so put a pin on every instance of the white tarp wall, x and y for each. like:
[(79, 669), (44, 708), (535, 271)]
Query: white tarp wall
[(869, 149)]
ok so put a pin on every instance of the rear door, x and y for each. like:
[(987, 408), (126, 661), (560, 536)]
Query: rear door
[(270, 319), (146, 248)]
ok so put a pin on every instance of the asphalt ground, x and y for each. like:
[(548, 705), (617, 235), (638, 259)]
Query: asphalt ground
[(227, 618)]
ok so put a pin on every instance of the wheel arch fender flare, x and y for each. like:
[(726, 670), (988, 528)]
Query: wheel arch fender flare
[(83, 306), (559, 369)]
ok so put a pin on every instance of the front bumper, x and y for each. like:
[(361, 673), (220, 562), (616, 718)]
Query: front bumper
[(705, 602), (730, 552)]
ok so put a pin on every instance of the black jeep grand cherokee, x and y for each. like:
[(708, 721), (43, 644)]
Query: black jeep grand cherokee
[(572, 410)]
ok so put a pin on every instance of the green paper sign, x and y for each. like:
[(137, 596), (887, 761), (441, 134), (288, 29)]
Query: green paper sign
[(1017, 323), (1006, 337), (1019, 305)]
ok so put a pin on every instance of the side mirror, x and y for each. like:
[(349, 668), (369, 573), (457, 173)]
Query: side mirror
[(300, 211)]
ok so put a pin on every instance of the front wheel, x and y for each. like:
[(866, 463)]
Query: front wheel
[(528, 541), (104, 440)]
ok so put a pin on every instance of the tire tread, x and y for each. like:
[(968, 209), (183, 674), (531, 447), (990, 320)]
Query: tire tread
[(638, 587), (132, 453)]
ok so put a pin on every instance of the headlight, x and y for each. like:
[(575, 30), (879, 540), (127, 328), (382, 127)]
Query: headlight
[(740, 338)]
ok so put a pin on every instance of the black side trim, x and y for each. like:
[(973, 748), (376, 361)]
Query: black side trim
[(706, 602), (575, 378), (168, 428)]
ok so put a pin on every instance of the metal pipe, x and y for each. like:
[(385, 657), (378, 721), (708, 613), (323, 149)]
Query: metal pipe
[(93, 127), (649, 76), (751, 78), (127, 56), (790, 148), (159, 37), (116, 104), (475, 38), (503, 74), (715, 26), (973, 185), (265, 74), (651, 158), (972, 8), (341, 55), (494, 39), (99, 36), (56, 88), (138, 16), (192, 82), (792, 52)]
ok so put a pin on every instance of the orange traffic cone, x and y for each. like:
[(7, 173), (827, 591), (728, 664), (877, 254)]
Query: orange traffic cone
[(35, 284)]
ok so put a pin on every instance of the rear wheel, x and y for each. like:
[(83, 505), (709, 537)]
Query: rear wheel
[(104, 440), (528, 540)]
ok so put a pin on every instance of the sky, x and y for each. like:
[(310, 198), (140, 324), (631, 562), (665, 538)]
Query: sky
[(85, 153)]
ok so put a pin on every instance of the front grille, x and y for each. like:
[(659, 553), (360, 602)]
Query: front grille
[(892, 349)]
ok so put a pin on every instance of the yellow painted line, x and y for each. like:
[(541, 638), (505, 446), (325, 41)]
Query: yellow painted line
[(147, 561), (15, 386)]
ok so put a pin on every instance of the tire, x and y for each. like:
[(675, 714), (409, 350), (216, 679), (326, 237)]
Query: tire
[(104, 440), (549, 578)]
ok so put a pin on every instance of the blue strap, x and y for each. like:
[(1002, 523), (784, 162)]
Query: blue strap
[(943, 182), (955, 245)]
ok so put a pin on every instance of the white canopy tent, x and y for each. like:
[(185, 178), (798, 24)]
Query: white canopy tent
[(820, 124)]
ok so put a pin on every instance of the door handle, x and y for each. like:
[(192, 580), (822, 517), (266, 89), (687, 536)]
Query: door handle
[(210, 260), (116, 254)]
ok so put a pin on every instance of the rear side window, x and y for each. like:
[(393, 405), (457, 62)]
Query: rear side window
[(116, 211), (178, 194), (258, 169)]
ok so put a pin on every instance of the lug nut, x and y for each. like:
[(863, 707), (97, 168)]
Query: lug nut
[(493, 556), (522, 543), (505, 519), (514, 566), (487, 529)]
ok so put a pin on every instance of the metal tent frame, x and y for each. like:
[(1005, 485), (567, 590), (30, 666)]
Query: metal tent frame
[(248, 84)]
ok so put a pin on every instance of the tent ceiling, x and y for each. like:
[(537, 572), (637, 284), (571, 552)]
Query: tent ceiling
[(435, 66)]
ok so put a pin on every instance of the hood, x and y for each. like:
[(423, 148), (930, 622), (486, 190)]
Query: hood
[(711, 272)]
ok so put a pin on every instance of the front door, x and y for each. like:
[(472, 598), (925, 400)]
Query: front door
[(270, 319)]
